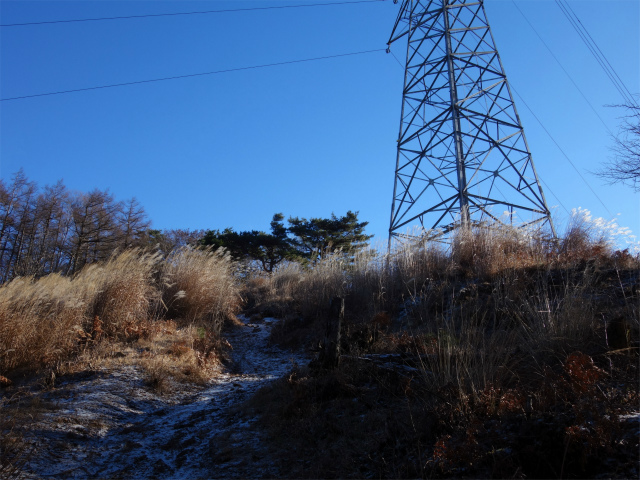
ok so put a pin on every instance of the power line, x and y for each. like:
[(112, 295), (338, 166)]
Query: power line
[(188, 13), (394, 56), (192, 75), (562, 67), (583, 36), (596, 52), (615, 74), (548, 188), (561, 150)]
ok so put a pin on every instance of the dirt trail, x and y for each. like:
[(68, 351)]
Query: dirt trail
[(110, 425)]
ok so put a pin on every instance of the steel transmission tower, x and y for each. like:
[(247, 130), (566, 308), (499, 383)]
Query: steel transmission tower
[(462, 155)]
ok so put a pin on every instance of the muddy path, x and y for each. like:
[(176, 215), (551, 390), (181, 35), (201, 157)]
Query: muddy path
[(109, 424)]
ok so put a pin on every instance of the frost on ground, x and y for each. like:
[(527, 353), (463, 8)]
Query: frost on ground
[(109, 424)]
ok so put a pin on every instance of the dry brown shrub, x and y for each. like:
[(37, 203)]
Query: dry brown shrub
[(593, 241), (416, 263), (269, 295), (306, 290), (368, 285), (157, 373), (578, 242), (381, 320), (486, 250), (188, 354), (326, 280)]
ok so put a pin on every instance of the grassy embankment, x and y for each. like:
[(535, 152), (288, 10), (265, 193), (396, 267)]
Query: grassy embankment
[(506, 356)]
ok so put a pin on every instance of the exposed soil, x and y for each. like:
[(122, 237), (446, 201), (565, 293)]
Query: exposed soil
[(109, 423)]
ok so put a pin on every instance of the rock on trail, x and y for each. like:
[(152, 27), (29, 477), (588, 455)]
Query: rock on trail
[(109, 425)]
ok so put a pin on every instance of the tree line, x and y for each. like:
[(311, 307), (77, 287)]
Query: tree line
[(57, 230)]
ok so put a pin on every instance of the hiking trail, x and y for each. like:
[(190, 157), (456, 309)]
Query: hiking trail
[(109, 424)]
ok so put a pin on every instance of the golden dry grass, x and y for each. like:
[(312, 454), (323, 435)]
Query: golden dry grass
[(46, 321), (38, 320), (199, 286), (120, 291)]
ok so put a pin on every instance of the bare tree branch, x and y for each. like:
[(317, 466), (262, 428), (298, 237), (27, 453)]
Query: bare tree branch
[(624, 167)]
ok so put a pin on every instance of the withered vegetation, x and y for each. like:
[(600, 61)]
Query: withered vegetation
[(507, 355), (135, 302)]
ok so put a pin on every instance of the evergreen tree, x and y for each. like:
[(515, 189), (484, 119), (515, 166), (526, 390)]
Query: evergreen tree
[(302, 240), (314, 237), (267, 249)]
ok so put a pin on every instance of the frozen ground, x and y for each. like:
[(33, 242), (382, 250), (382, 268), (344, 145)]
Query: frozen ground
[(109, 424)]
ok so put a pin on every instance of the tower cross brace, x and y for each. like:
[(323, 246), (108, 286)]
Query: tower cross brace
[(462, 155)]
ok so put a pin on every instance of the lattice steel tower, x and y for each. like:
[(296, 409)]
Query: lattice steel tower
[(462, 155)]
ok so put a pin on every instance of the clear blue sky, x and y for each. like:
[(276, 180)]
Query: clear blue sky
[(306, 139)]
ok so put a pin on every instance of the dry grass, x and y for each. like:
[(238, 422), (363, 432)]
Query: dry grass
[(43, 321), (120, 291), (504, 339), (189, 354), (46, 321), (169, 356), (481, 252), (496, 285), (38, 319), (198, 286)]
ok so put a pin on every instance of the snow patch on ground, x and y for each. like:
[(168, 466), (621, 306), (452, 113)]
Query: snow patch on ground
[(109, 424)]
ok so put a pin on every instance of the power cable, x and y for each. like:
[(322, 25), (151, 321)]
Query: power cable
[(394, 56), (561, 150), (188, 13), (615, 74), (562, 67), (596, 52), (548, 188), (192, 75), (591, 48)]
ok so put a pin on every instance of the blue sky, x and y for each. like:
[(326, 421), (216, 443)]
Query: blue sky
[(306, 139)]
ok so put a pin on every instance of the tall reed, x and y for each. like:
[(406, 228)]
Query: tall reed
[(38, 319), (119, 292), (45, 320), (198, 285)]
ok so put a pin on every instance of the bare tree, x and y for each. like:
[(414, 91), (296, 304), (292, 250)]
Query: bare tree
[(16, 212), (52, 205), (133, 223), (24, 240), (624, 167), (166, 241), (56, 230), (95, 232)]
